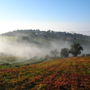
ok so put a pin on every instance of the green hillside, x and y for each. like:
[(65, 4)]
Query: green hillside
[(40, 37), (57, 74)]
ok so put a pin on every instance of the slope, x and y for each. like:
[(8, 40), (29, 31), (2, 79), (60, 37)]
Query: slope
[(58, 74)]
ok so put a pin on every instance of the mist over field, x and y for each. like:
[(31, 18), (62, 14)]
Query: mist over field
[(29, 50), (28, 44)]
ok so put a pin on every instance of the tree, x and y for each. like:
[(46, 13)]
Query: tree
[(54, 53), (64, 52), (76, 49)]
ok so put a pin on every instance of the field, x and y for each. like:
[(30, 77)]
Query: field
[(57, 74)]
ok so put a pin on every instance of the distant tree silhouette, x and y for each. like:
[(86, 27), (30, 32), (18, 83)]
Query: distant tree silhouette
[(64, 52), (75, 49), (54, 53)]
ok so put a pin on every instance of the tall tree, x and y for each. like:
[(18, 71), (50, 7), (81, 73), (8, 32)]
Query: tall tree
[(76, 49)]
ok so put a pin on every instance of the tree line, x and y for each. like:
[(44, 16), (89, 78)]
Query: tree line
[(75, 50)]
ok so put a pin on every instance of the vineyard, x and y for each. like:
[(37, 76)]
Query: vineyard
[(58, 74)]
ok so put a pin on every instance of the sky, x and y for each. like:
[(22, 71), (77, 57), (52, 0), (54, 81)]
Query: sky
[(58, 15)]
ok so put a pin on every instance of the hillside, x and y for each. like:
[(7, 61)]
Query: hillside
[(58, 74), (34, 35), (29, 44)]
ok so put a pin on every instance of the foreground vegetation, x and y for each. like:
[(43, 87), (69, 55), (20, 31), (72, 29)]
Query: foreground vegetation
[(59, 74)]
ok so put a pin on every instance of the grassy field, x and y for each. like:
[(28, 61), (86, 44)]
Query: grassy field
[(58, 74)]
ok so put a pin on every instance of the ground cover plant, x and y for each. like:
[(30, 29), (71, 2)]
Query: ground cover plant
[(58, 74)]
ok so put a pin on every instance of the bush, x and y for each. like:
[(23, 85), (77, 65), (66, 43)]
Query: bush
[(64, 52)]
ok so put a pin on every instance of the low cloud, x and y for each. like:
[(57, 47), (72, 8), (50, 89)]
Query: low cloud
[(30, 50)]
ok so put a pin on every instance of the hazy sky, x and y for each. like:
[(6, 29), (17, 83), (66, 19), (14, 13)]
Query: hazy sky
[(59, 15)]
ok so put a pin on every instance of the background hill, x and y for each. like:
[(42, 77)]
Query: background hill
[(28, 44), (34, 35)]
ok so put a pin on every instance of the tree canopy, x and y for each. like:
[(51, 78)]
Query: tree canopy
[(75, 49)]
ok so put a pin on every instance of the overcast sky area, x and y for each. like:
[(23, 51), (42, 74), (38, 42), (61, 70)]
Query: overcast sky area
[(59, 15)]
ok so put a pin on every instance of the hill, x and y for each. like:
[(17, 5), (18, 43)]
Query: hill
[(36, 35), (58, 74), (30, 44)]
